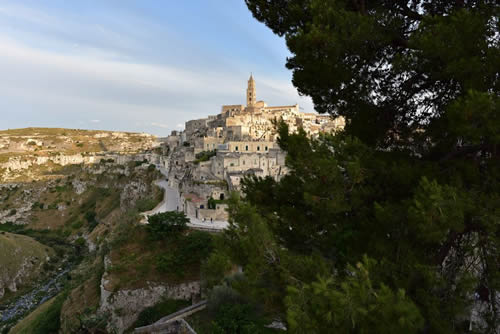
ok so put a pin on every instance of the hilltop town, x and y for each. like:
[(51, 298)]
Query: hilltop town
[(212, 155)]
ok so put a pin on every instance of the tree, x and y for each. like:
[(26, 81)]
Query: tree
[(232, 313), (413, 182), (354, 305), (214, 269), (170, 224), (393, 67)]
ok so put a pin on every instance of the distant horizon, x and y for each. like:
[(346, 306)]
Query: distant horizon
[(79, 129), (143, 67)]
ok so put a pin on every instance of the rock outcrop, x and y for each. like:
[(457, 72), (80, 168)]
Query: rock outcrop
[(22, 260), (125, 305)]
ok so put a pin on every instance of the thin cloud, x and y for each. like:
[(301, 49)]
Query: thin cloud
[(161, 125), (71, 69)]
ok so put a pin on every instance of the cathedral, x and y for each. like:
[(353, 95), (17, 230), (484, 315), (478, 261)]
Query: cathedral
[(254, 106), (255, 121)]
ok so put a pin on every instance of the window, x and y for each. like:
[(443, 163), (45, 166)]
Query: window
[(231, 164), (246, 148), (236, 148), (265, 148), (258, 148), (243, 162)]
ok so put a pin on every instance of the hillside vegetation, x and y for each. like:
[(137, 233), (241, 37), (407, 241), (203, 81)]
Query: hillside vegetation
[(68, 220)]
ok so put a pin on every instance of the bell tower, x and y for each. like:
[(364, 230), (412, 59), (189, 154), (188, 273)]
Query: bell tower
[(251, 98)]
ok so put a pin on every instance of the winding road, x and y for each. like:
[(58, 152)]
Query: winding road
[(170, 202)]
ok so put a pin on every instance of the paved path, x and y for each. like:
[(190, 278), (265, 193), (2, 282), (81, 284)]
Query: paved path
[(170, 202), (163, 322)]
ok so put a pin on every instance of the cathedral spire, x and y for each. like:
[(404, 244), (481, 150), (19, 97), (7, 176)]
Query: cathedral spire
[(251, 93)]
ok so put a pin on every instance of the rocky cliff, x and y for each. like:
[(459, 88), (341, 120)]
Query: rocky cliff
[(21, 261), (36, 153)]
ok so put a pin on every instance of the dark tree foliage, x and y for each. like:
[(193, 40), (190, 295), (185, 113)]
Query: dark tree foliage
[(393, 225), (170, 224), (393, 67)]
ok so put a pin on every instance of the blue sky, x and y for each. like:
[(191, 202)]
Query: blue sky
[(145, 66)]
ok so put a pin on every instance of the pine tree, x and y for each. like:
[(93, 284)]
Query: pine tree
[(392, 225)]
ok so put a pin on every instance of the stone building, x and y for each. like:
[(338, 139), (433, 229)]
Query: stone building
[(243, 138)]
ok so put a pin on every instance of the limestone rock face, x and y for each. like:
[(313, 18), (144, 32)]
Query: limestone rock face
[(29, 153), (131, 192), (125, 305)]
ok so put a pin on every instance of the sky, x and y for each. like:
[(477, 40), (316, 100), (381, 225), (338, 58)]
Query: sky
[(126, 65)]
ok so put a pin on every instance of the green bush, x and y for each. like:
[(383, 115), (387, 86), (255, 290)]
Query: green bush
[(232, 313), (11, 227), (214, 269), (37, 205), (80, 242), (197, 245), (170, 263), (187, 250), (145, 204), (211, 203), (204, 156), (77, 224)]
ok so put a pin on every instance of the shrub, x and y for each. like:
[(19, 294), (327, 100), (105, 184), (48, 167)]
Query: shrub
[(80, 242), (196, 246), (214, 269), (188, 250), (90, 216), (77, 224), (232, 313), (204, 156), (211, 203), (145, 204)]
